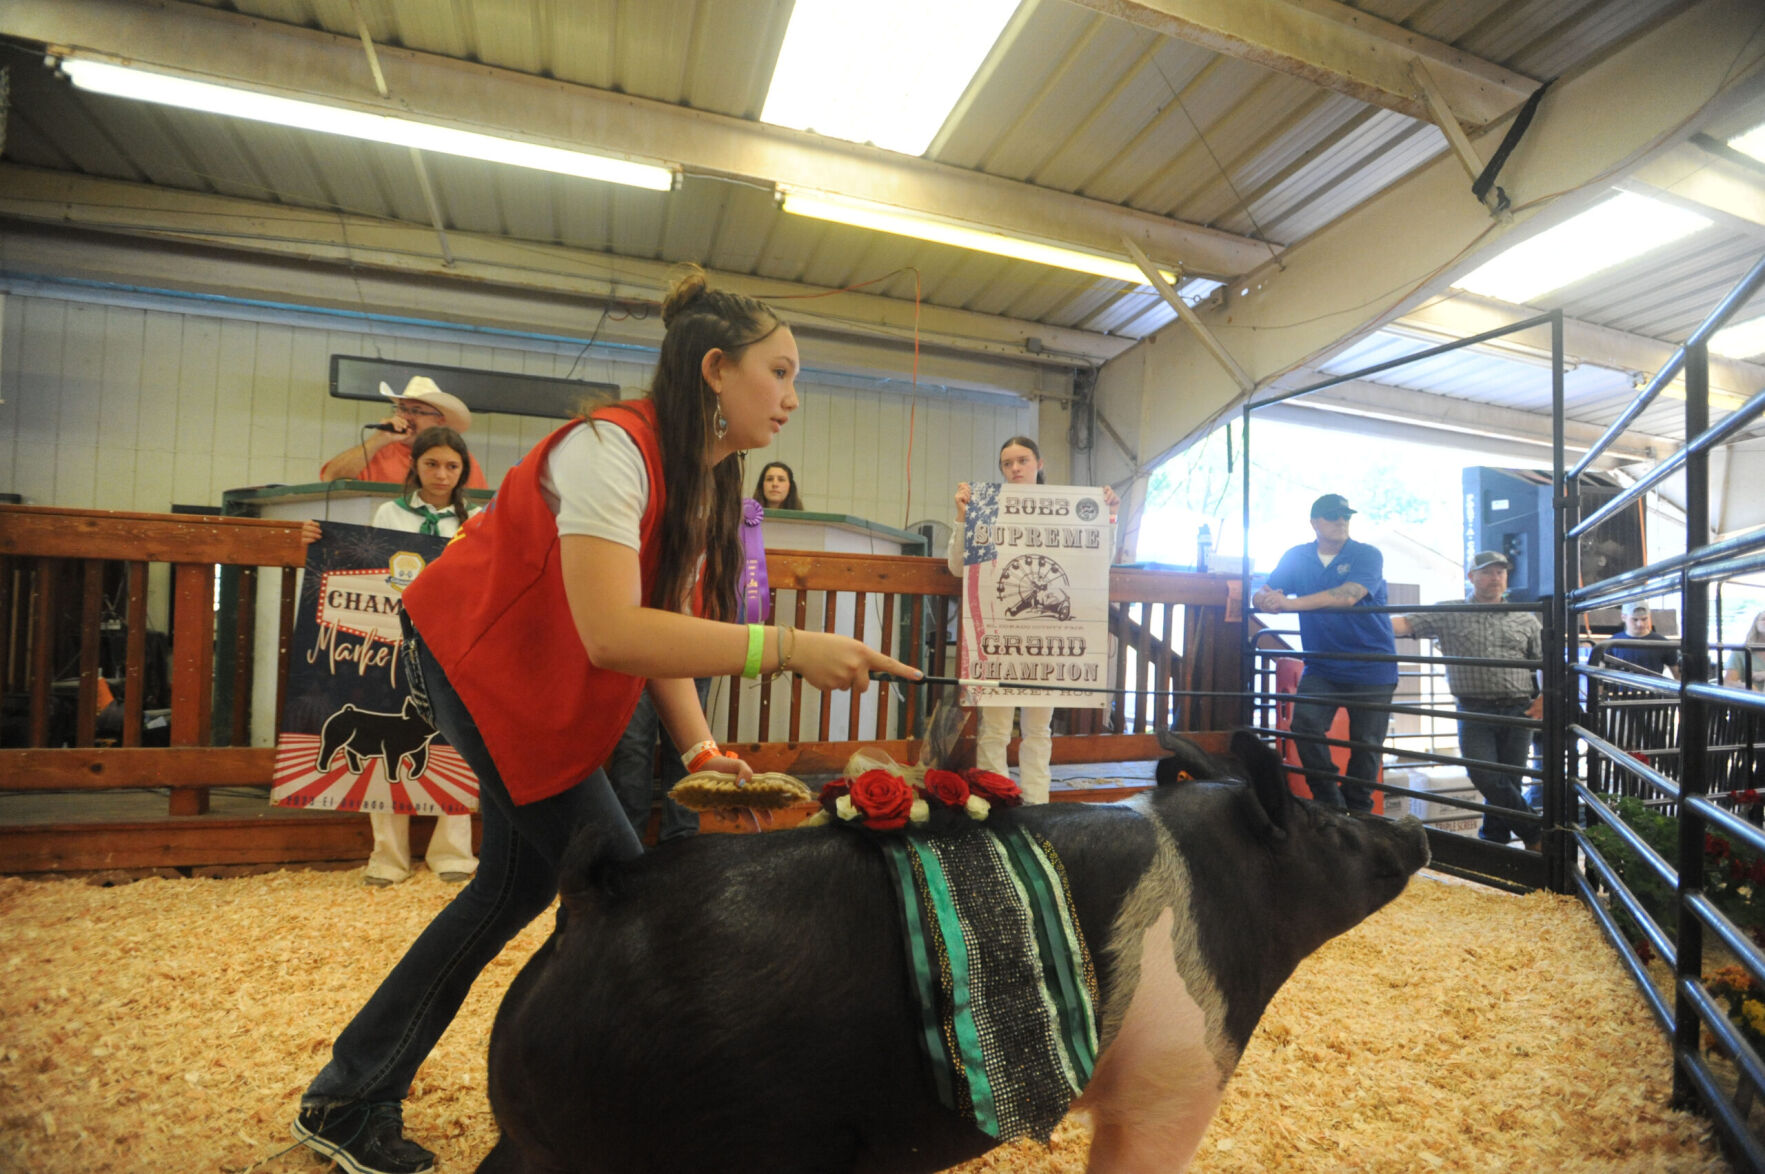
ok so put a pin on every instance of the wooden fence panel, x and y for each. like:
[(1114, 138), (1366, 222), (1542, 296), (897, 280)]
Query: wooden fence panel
[(40, 547)]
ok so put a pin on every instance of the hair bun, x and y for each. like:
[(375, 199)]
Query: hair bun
[(683, 291)]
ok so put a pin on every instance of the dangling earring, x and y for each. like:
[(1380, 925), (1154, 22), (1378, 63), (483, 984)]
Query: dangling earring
[(719, 423)]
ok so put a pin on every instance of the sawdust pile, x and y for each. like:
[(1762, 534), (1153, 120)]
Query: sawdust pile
[(171, 1025)]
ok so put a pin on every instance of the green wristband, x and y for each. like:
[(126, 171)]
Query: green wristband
[(756, 638)]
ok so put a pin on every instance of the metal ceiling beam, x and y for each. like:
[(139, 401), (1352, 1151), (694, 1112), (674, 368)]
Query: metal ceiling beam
[(1335, 46), (1461, 315), (1408, 243), (1446, 418), (232, 49), (41, 256), (54, 197), (1731, 191)]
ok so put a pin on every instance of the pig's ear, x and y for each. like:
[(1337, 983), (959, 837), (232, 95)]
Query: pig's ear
[(1186, 760), (1264, 773)]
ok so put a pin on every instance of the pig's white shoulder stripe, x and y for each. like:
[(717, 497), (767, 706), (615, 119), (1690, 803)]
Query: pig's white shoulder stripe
[(1164, 886)]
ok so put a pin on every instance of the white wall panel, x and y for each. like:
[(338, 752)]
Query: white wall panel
[(119, 407)]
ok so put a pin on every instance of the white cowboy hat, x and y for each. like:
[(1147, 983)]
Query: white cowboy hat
[(424, 390)]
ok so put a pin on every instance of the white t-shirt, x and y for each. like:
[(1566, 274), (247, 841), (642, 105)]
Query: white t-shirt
[(595, 482), (392, 515)]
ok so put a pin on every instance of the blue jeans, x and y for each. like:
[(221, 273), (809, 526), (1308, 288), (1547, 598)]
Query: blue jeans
[(1508, 745), (378, 1054), (1314, 708), (632, 768)]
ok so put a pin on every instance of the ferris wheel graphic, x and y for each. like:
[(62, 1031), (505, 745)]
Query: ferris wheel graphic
[(1033, 585)]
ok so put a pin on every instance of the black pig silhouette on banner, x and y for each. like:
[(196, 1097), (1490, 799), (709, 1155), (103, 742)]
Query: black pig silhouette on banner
[(351, 738)]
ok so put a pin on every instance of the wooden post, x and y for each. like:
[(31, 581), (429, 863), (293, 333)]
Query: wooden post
[(192, 672)]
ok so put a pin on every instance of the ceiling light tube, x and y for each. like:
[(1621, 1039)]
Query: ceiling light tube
[(169, 90), (882, 218)]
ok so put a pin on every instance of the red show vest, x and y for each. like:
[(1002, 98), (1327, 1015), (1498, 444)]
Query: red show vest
[(493, 613)]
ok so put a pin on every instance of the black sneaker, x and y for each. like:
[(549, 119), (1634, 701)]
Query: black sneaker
[(363, 1138)]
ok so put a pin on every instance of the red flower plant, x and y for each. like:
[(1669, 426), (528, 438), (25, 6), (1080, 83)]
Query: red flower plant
[(883, 799), (831, 793), (996, 789), (947, 788)]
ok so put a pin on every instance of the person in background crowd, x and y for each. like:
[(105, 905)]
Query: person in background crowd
[(530, 640), (1020, 463), (1335, 571), (383, 455), (1746, 666), (1639, 624), (777, 488), (434, 502), (1504, 692)]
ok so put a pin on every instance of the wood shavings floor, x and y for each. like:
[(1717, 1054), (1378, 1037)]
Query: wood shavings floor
[(170, 1025)]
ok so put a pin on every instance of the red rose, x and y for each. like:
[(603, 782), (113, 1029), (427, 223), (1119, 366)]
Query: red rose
[(998, 790), (1715, 846), (947, 787), (885, 800), (831, 792)]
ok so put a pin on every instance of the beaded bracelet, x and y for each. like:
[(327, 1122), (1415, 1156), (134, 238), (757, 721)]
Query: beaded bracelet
[(784, 653)]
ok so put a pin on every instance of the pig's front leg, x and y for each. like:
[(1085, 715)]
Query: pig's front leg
[(1157, 1085)]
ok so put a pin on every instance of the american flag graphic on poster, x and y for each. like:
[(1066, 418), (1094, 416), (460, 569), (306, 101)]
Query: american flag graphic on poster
[(1035, 595), (351, 738)]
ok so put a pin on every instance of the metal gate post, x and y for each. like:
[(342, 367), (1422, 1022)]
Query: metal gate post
[(1694, 724), (1558, 847)]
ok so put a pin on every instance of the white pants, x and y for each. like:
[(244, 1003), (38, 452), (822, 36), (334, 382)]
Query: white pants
[(1033, 753), (450, 846)]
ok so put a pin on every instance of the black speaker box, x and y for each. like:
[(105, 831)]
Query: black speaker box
[(1510, 510)]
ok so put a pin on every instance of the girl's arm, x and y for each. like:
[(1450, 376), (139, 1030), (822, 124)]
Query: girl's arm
[(677, 704), (604, 586)]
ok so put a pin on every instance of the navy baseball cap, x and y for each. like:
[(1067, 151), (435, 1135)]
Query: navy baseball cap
[(1329, 505)]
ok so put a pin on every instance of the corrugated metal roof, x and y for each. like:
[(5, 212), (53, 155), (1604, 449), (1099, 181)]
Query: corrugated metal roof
[(1073, 101)]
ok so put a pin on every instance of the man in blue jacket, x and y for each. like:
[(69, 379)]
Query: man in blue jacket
[(1337, 572)]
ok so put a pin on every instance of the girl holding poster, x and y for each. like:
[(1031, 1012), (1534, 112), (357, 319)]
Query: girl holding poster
[(531, 639), (1020, 463), (433, 502)]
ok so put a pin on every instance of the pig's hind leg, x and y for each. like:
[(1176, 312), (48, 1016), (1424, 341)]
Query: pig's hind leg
[(1157, 1084)]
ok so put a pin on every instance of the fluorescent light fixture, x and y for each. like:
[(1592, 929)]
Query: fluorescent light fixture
[(1751, 142), (1725, 400), (166, 89), (1743, 340), (882, 218), (887, 74), (1608, 234)]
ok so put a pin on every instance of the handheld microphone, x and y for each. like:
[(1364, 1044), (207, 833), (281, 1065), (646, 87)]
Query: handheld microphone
[(379, 427)]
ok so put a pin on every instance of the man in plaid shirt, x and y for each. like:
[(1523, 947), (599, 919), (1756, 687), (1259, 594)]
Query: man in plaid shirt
[(1510, 692)]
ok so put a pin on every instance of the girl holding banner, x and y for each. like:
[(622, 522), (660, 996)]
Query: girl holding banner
[(1020, 463), (433, 502), (532, 638)]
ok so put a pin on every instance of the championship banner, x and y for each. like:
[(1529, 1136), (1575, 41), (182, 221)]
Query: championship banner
[(1035, 594), (351, 738)]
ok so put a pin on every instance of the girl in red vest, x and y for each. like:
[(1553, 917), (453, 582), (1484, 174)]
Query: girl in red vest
[(532, 638)]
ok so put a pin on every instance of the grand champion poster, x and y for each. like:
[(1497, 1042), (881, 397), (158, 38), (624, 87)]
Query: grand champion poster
[(1035, 594), (351, 738)]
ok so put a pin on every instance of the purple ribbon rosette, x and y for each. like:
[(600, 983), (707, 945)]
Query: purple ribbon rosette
[(755, 590)]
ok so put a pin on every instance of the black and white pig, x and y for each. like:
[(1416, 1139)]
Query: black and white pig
[(741, 1003)]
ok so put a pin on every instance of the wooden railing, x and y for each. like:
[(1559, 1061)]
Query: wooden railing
[(1170, 632)]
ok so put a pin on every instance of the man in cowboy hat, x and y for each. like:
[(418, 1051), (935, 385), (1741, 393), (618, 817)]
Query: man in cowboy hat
[(1492, 690), (384, 454)]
